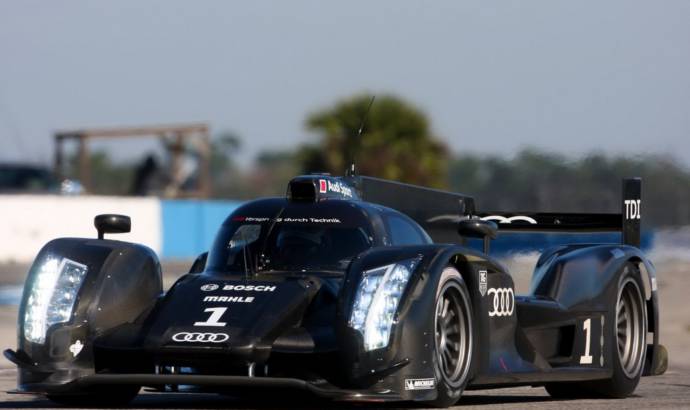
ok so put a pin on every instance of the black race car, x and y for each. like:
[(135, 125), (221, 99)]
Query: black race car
[(351, 288)]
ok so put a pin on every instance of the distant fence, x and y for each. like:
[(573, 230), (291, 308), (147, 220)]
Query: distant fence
[(175, 229)]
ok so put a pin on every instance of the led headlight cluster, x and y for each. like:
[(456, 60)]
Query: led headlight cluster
[(51, 296), (376, 301)]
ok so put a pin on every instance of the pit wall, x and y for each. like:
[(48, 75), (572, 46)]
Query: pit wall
[(176, 229)]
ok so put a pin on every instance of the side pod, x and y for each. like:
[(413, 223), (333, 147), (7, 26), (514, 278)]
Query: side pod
[(575, 275)]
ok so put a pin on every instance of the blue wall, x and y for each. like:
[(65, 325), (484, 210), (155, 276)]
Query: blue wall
[(189, 227), (507, 243)]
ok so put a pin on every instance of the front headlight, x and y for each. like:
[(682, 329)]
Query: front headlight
[(376, 301), (52, 296)]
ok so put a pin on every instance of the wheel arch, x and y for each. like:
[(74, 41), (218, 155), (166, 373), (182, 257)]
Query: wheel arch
[(470, 264), (656, 360)]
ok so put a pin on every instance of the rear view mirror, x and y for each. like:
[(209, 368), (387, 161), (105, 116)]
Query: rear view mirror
[(478, 228), (112, 223)]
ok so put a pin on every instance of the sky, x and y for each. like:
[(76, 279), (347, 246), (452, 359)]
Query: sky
[(567, 76)]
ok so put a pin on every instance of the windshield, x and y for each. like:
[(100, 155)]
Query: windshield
[(288, 244)]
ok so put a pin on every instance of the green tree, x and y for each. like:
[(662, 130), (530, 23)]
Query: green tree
[(226, 178), (272, 170), (397, 142), (268, 175), (535, 180), (107, 177)]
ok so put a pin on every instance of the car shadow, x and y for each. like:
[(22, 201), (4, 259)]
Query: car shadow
[(489, 399), (214, 401)]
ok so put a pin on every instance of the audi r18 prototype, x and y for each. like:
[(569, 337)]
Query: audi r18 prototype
[(351, 288)]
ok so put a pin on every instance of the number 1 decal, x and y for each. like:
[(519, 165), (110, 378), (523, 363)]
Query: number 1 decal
[(587, 358), (213, 320)]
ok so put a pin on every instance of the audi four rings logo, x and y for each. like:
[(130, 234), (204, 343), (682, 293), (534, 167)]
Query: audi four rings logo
[(504, 220), (504, 301), (198, 337), (209, 287)]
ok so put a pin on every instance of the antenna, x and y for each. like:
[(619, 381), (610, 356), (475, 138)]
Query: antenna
[(352, 171), (245, 254)]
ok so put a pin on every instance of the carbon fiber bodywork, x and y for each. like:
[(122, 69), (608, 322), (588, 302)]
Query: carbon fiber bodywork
[(221, 330)]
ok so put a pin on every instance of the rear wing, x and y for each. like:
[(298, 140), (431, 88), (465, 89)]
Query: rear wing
[(627, 221), (439, 212)]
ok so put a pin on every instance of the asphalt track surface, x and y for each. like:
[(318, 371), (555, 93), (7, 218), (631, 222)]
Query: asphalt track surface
[(672, 390)]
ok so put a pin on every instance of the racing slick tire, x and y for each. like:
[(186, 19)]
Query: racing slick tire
[(453, 335), (102, 396), (629, 332)]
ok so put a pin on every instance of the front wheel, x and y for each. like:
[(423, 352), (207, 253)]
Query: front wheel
[(453, 321)]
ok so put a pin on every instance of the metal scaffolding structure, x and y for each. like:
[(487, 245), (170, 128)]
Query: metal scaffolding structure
[(174, 137)]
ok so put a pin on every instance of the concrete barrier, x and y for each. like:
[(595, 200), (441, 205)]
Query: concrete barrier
[(27, 222), (175, 229)]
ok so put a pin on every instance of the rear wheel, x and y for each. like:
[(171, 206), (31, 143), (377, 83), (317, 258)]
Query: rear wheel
[(630, 335), (629, 332), (453, 337)]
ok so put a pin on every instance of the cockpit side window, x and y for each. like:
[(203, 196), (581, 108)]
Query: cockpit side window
[(405, 232)]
